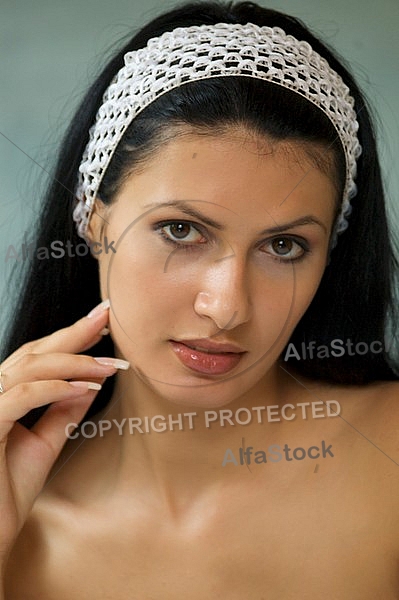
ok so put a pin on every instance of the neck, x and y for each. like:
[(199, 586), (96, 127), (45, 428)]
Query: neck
[(180, 452)]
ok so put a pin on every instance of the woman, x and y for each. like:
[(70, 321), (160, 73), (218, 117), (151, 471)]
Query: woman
[(243, 443)]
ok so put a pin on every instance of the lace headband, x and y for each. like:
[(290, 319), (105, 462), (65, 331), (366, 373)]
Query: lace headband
[(202, 52)]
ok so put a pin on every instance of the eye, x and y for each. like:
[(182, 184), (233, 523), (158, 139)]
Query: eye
[(178, 233), (288, 249)]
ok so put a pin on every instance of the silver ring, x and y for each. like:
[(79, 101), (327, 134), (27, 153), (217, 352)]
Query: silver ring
[(2, 390)]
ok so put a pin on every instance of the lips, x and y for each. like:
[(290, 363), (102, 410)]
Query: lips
[(206, 345), (213, 359)]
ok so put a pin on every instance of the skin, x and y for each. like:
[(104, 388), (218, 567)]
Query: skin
[(153, 515)]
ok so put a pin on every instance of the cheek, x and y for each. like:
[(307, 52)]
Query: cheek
[(153, 291), (306, 285), (145, 296), (281, 300)]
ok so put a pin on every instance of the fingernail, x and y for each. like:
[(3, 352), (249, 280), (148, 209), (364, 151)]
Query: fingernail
[(104, 331), (86, 385), (98, 310), (114, 362)]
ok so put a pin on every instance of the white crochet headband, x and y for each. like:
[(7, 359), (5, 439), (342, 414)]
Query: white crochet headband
[(202, 52)]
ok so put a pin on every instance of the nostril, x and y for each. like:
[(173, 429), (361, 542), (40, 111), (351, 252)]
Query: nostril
[(229, 323)]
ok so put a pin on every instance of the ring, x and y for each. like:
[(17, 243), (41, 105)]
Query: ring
[(2, 390)]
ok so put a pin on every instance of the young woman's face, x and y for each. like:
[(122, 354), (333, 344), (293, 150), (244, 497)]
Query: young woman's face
[(219, 238)]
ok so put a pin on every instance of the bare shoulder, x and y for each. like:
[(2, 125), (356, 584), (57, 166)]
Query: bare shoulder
[(26, 561), (371, 409), (34, 569), (386, 414)]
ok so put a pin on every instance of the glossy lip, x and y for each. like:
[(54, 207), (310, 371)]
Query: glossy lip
[(206, 363), (206, 344)]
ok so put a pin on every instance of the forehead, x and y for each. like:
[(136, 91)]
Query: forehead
[(248, 175), (179, 140), (237, 158)]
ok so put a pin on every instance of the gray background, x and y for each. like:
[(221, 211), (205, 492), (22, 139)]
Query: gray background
[(50, 51)]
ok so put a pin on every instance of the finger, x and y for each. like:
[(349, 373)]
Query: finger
[(78, 337), (25, 396), (39, 367)]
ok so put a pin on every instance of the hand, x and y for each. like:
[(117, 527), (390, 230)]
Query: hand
[(33, 376)]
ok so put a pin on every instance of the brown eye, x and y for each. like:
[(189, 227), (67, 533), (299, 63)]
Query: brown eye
[(286, 249), (183, 233), (282, 246), (179, 230)]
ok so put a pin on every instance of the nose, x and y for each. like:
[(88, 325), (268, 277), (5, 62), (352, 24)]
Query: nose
[(224, 297)]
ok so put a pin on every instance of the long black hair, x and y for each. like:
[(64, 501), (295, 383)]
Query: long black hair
[(355, 299)]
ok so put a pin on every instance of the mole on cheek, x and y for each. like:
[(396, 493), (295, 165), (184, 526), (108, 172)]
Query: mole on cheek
[(194, 155)]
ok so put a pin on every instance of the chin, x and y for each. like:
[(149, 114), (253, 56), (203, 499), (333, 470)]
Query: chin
[(190, 389)]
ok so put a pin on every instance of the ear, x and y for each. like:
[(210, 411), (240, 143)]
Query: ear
[(98, 222)]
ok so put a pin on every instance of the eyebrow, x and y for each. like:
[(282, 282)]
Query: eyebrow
[(192, 212)]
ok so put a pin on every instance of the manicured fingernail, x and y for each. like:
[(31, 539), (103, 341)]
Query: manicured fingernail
[(104, 331), (114, 362), (85, 385), (98, 310)]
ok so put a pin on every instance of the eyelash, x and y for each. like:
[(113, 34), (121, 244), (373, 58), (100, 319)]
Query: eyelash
[(187, 247), (191, 246)]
